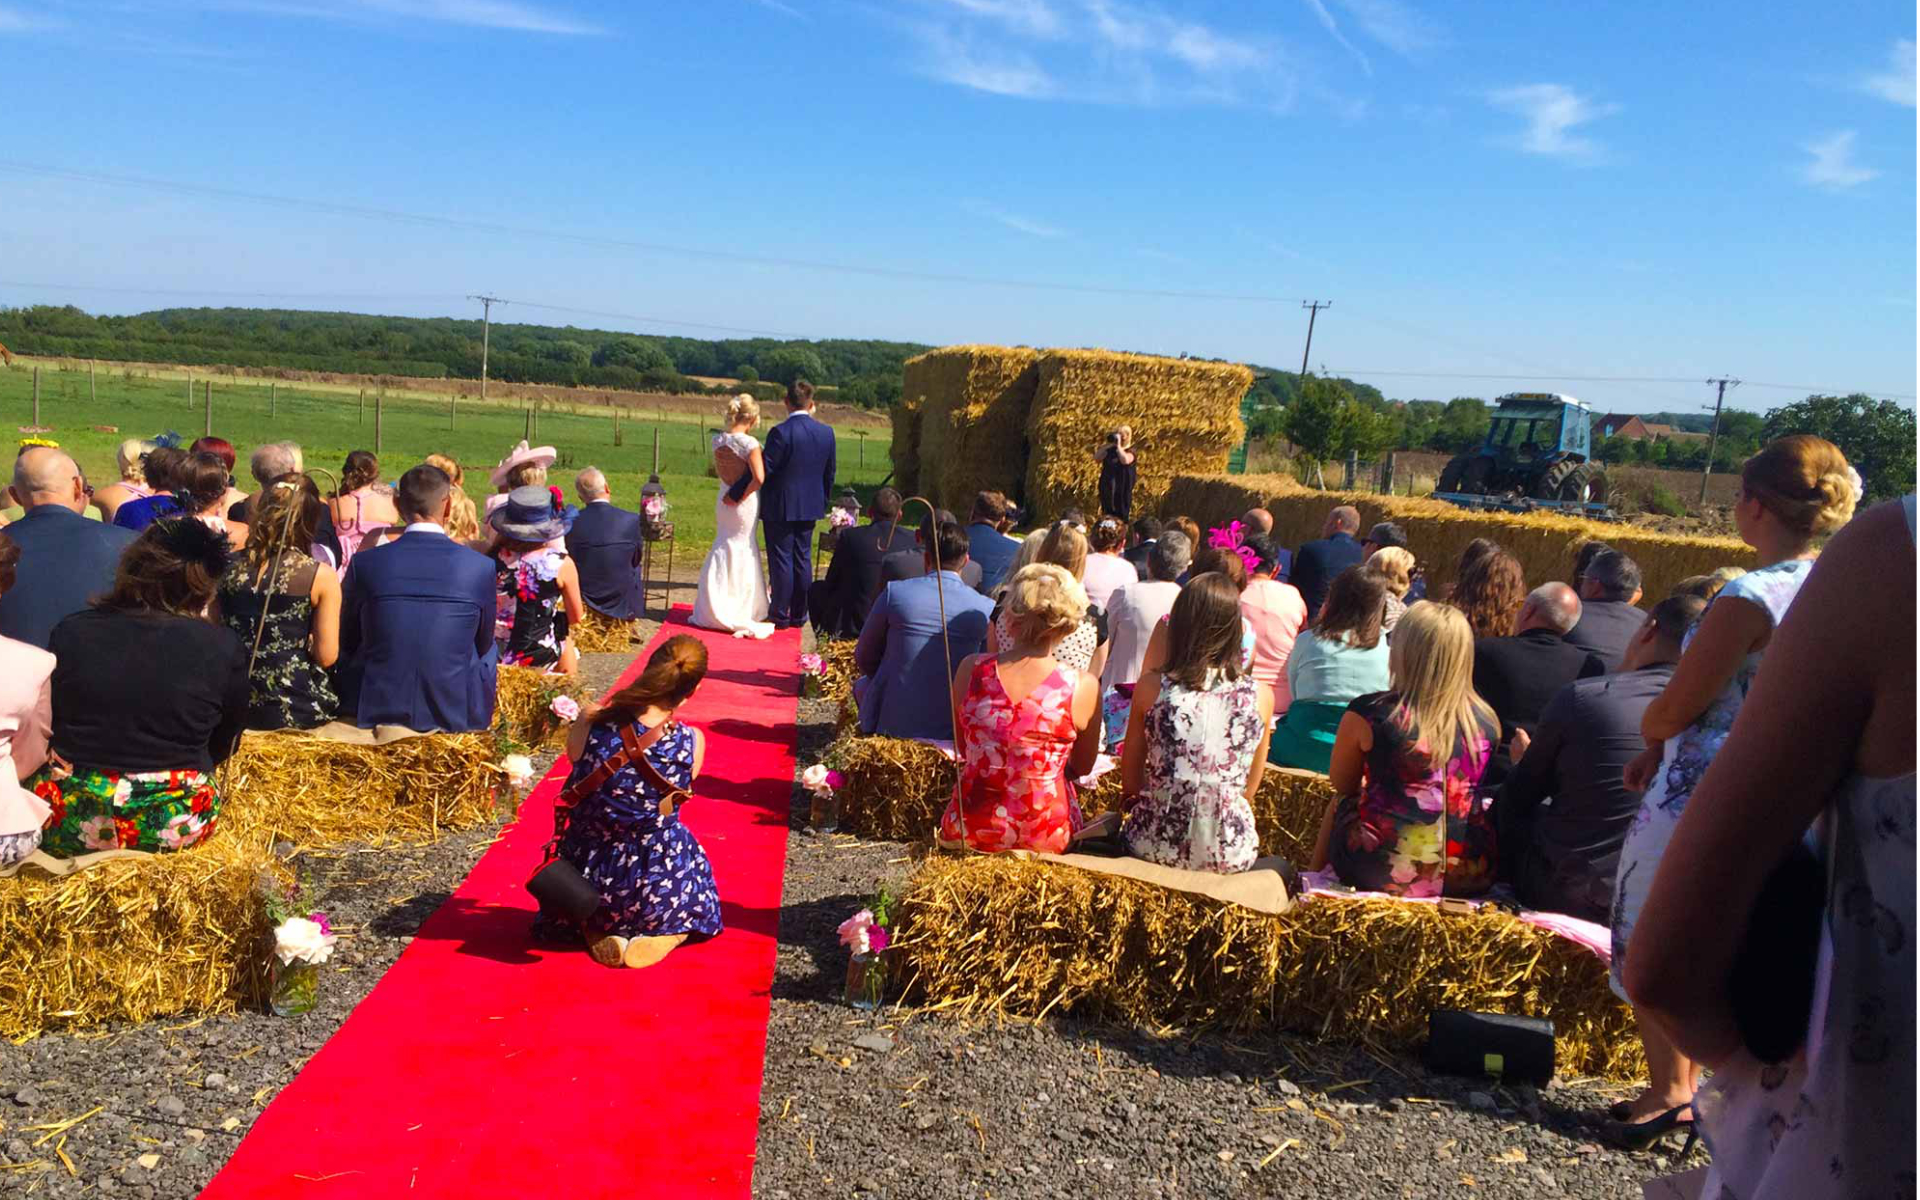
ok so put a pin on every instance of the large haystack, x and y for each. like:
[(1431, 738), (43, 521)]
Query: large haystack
[(1185, 416), (905, 448), (973, 403)]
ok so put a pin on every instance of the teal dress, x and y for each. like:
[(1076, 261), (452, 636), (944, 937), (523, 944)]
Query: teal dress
[(1324, 675)]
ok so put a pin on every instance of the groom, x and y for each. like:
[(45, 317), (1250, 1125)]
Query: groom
[(799, 461)]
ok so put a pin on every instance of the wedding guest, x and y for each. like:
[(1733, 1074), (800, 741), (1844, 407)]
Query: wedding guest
[(1470, 554), (1383, 536), (1277, 613), (1316, 564), (1564, 810), (1490, 591), (1797, 489), (1407, 822), (1341, 657), (221, 449), (1517, 675), (65, 559), (1194, 740), (1139, 608), (1028, 725), (655, 883), (269, 462), (1393, 566), (901, 655), (1823, 750), (536, 588), (162, 468), (276, 597), (839, 603), (361, 507), (417, 630), (201, 487), (129, 457), (463, 519), (26, 716), (910, 562), (1609, 616), (605, 545), (1190, 529), (524, 466), (1142, 535), (1259, 523), (1119, 472), (1085, 649), (989, 547), (149, 696), (1706, 587), (1107, 572), (1583, 558)]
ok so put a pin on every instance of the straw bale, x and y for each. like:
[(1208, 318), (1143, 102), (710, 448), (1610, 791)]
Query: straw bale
[(135, 939), (1437, 531), (601, 634), (522, 707), (1185, 416), (313, 791), (973, 403), (839, 673), (991, 934), (905, 450)]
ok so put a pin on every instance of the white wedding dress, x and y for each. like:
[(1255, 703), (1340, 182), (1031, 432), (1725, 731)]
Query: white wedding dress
[(733, 585)]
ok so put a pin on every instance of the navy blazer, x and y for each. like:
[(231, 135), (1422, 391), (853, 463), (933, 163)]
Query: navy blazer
[(857, 573), (605, 545), (65, 561), (1316, 564), (909, 693), (416, 638), (994, 551), (799, 457)]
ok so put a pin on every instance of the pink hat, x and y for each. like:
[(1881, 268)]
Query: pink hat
[(520, 456)]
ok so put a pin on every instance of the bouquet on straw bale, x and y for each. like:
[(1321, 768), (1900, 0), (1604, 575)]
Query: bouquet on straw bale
[(532, 708), (905, 450), (973, 410), (601, 634), (991, 934), (1185, 416), (136, 938), (1437, 531)]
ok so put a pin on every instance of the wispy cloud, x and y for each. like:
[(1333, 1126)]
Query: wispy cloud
[(508, 15), (1553, 112), (1333, 30), (1397, 26), (786, 10), (1894, 84), (15, 21), (1165, 256), (1014, 221), (1832, 165)]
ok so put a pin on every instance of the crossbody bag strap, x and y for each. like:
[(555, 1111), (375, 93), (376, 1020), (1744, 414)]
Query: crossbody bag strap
[(632, 750), (671, 796)]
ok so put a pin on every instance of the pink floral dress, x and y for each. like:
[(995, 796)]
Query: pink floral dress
[(1013, 778)]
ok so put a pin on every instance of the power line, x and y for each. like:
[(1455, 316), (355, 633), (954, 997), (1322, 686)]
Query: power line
[(1556, 375)]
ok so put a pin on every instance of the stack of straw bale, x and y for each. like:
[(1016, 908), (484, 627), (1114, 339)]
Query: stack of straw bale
[(135, 939), (313, 791), (905, 449), (1185, 416), (1437, 531), (522, 707), (601, 634), (990, 934), (837, 685), (973, 405)]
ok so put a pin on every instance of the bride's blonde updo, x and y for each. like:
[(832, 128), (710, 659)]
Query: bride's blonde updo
[(1805, 481), (743, 410)]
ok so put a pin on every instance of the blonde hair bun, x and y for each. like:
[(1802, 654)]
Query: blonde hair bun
[(1838, 494), (1044, 603), (1805, 481), (742, 408)]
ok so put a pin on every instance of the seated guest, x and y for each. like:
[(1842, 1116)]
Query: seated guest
[(1407, 822), (1393, 565), (1583, 558), (655, 883), (277, 597), (1470, 554), (1383, 536), (536, 588), (1489, 592), (1517, 675), (1564, 811), (26, 716), (1144, 533), (1028, 726), (1609, 620), (1026, 553), (65, 559), (1341, 657), (1276, 613), (221, 449), (163, 466), (1316, 564), (1188, 528), (149, 696), (1210, 560), (416, 634), (130, 457), (1195, 740), (463, 520), (270, 462), (903, 661), (201, 488), (1706, 587), (989, 547), (1259, 523), (1085, 649), (1139, 608), (910, 562), (1107, 572), (362, 506), (605, 545), (839, 603)]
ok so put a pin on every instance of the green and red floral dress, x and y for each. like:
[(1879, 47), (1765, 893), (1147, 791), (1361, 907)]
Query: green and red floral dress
[(154, 811)]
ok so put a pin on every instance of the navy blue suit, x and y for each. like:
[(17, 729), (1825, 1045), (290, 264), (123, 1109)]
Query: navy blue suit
[(799, 457), (65, 561), (604, 544), (994, 551), (1317, 563), (416, 638)]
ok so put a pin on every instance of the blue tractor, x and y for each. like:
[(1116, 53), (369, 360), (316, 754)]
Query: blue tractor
[(1537, 454)]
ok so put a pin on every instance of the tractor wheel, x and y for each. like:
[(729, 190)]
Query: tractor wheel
[(1588, 485), (1551, 483), (1451, 473), (1477, 478)]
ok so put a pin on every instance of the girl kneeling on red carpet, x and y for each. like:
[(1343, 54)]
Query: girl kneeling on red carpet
[(654, 880)]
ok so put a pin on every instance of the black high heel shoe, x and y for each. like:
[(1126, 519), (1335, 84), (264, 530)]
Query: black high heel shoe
[(1640, 1135)]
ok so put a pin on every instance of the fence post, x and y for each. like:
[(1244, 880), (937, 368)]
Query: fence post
[(656, 449), (93, 397), (363, 406), (1386, 474), (1352, 470), (273, 397), (209, 408), (863, 448), (529, 433), (379, 413), (36, 394), (616, 425), (189, 390)]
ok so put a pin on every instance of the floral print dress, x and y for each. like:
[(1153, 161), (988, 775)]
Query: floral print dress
[(153, 811), (1686, 757), (651, 872), (1406, 804), (287, 689), (527, 618), (1200, 746), (1013, 779)]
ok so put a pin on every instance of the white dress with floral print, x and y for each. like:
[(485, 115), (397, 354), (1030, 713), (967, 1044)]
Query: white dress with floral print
[(1200, 745)]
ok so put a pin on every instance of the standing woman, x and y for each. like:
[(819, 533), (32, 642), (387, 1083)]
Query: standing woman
[(732, 593), (1118, 473), (278, 583), (655, 884), (537, 587), (130, 456), (1795, 490), (361, 506)]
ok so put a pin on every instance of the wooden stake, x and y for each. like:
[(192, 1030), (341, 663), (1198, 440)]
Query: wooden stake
[(92, 396), (36, 393), (189, 389), (379, 412), (209, 407), (616, 424), (273, 397), (656, 449), (363, 406)]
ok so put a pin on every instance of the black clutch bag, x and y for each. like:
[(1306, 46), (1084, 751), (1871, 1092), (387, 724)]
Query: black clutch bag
[(1771, 985), (1471, 1043), (560, 887)]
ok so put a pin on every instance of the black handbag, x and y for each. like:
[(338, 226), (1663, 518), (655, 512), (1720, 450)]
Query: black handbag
[(1770, 987), (558, 885), (1508, 1048)]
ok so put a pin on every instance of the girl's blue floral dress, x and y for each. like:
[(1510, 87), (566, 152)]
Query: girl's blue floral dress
[(1687, 756), (650, 871)]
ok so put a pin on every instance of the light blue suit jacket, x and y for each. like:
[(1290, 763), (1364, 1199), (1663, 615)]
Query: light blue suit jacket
[(909, 693)]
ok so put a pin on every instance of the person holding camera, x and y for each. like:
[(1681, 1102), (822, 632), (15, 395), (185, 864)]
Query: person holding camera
[(1118, 473)]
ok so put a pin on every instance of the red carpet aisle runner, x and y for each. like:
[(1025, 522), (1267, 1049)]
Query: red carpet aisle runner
[(481, 1066)]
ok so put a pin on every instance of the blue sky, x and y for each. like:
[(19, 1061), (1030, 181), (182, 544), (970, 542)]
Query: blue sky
[(1547, 191)]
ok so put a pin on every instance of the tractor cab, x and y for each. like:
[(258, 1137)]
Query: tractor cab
[(1536, 448)]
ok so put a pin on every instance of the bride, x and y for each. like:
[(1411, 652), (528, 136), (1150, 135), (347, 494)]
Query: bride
[(733, 587)]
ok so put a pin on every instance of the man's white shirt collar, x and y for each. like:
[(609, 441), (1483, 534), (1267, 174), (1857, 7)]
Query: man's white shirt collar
[(426, 527)]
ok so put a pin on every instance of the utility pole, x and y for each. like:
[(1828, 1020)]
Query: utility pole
[(1713, 438), (486, 329), (1313, 308)]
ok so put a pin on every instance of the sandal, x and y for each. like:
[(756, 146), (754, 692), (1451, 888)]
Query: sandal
[(646, 951), (1641, 1134), (609, 951)]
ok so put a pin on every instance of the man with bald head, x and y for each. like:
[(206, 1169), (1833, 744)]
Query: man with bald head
[(1317, 563), (65, 559), (605, 544), (1518, 675)]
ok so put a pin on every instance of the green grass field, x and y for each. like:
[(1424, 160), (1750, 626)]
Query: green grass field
[(328, 424)]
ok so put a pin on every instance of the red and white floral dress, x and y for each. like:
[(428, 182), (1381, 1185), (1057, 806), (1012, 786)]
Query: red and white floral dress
[(1013, 772)]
